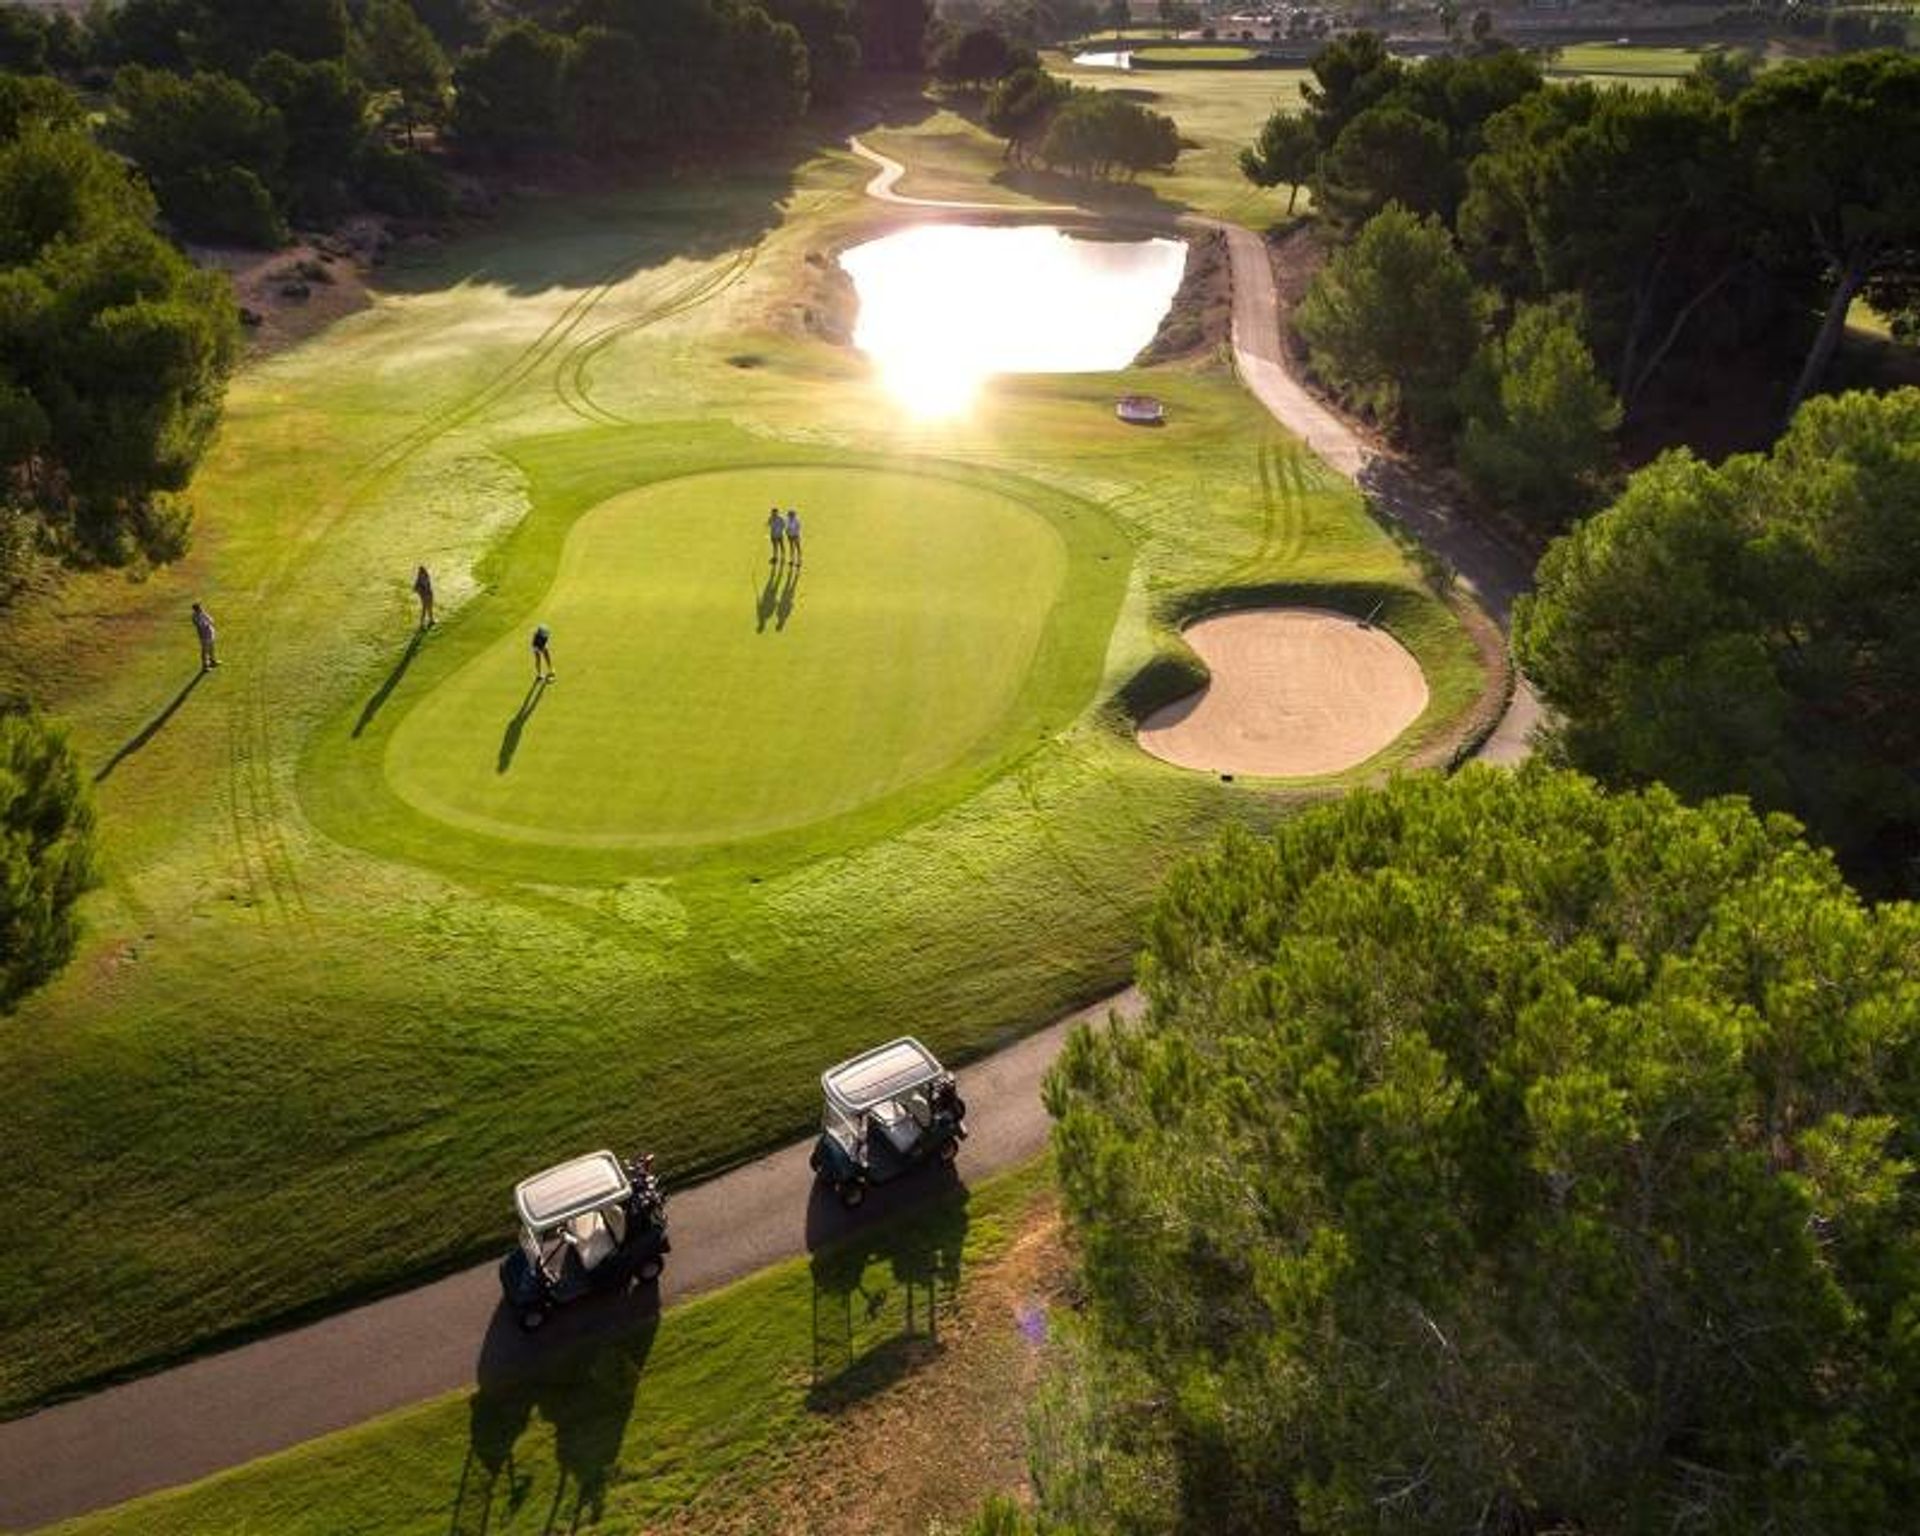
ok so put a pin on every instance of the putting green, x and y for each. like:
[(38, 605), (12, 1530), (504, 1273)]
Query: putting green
[(705, 694)]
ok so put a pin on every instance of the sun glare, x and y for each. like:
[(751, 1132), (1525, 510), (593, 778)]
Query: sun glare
[(943, 307)]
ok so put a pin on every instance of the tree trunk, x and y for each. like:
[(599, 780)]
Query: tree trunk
[(1293, 194), (1845, 286)]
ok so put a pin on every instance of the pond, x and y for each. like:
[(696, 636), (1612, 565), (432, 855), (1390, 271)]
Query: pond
[(1109, 60), (943, 307)]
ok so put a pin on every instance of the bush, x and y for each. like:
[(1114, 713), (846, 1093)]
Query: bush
[(46, 852), (1539, 419), (395, 181), (1392, 320)]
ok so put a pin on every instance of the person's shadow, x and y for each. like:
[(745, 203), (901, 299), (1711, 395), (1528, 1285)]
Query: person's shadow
[(510, 742), (789, 594), (391, 682), (151, 729), (768, 600)]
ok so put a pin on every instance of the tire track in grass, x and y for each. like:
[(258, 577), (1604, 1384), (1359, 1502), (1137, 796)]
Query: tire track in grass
[(571, 375)]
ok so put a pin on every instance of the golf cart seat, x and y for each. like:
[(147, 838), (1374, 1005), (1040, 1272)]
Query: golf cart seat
[(592, 1239), (897, 1126)]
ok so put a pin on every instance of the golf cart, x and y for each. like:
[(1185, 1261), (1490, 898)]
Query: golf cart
[(887, 1110), (592, 1224)]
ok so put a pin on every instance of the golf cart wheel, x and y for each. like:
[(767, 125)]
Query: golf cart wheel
[(648, 1270), (853, 1192), (813, 1160), (949, 1150), (532, 1319)]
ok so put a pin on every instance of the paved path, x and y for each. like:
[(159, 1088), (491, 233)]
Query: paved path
[(230, 1408)]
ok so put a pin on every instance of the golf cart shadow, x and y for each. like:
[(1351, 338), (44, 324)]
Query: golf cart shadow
[(885, 1276), (581, 1375)]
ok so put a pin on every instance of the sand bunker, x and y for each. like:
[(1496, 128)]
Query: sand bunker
[(1295, 692)]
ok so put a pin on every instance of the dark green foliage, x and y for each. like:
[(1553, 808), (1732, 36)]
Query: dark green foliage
[(212, 149), (830, 30), (114, 351), (1392, 320), (612, 99), (323, 120), (1285, 154), (703, 74), (506, 95), (23, 40), (455, 24), (1497, 1154), (1634, 200), (1386, 155), (1754, 628), (1835, 149), (1020, 107), (1096, 133), (1350, 75), (893, 33), (46, 852), (394, 51), (1539, 420), (977, 57)]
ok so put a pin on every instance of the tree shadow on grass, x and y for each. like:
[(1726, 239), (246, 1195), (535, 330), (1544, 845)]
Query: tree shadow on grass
[(581, 1374), (516, 727), (883, 1278), (151, 729), (391, 682)]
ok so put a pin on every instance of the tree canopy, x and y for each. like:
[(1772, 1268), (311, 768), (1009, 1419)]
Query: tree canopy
[(46, 852), (1285, 154), (1754, 627), (1496, 1153), (114, 350), (1392, 320), (1538, 419)]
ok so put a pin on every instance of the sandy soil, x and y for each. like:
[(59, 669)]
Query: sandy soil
[(1295, 692)]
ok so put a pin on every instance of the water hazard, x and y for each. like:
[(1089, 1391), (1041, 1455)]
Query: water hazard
[(945, 306)]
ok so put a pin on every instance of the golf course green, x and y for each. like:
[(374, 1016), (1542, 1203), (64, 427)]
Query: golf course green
[(714, 694), (381, 929)]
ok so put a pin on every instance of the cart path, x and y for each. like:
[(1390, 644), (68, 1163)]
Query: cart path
[(226, 1409)]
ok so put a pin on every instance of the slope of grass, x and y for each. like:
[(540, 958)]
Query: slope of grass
[(292, 994), (719, 1396)]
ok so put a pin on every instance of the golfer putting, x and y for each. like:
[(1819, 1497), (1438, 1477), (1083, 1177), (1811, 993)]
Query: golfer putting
[(542, 656)]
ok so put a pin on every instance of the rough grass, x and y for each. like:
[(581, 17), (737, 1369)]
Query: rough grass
[(1219, 113), (696, 1418), (304, 1021), (1644, 68)]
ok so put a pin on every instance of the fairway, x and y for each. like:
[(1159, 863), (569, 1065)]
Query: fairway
[(707, 693)]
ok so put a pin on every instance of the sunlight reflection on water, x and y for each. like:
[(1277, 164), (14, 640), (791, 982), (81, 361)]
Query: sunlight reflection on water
[(944, 306)]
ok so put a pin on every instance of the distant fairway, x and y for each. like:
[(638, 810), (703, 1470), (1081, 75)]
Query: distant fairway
[(706, 694)]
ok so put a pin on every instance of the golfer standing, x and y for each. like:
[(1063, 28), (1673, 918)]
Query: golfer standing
[(203, 627), (793, 534), (542, 657), (423, 589), (776, 535)]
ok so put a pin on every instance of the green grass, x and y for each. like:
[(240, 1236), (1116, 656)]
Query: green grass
[(704, 1404), (1625, 64), (296, 988), (1219, 113), (711, 697), (1222, 54)]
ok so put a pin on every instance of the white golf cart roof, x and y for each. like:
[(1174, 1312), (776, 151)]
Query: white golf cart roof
[(585, 1184), (874, 1076)]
